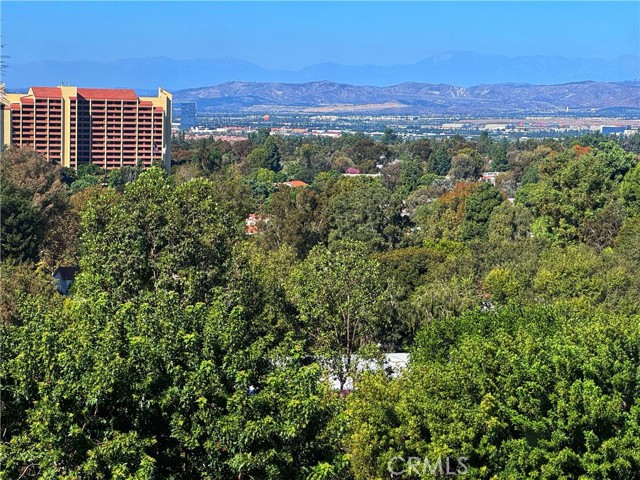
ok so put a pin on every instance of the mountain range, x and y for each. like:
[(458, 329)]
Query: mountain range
[(457, 68), (416, 98)]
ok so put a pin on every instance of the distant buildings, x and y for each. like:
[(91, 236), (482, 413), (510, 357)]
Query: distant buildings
[(187, 115), (296, 184), (489, 177), (72, 126), (254, 222), (612, 129)]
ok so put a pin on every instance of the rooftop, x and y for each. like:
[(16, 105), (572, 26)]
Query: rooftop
[(107, 93)]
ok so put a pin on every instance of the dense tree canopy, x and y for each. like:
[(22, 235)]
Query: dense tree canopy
[(193, 344)]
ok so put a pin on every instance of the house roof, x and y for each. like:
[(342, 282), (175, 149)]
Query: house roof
[(66, 273), (297, 183)]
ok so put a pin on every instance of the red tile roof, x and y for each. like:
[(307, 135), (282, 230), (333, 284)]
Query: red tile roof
[(47, 92), (107, 93), (297, 183)]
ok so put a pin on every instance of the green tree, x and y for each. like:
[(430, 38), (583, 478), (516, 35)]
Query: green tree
[(337, 292), (421, 149), (575, 188), (630, 190), (498, 154), (366, 153), (266, 156), (518, 392), (441, 162), (37, 183), (466, 164), (362, 209), (151, 388), (156, 235), (389, 137), (21, 227), (477, 211), (509, 221), (296, 218), (410, 173)]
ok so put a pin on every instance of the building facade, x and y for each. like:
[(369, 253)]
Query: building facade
[(187, 115), (110, 128)]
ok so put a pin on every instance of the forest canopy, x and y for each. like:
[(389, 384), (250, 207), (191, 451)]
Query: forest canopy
[(229, 322)]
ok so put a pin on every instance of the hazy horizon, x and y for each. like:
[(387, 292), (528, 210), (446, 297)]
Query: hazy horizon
[(294, 35)]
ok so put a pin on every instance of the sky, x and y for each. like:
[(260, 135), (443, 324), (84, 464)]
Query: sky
[(291, 35)]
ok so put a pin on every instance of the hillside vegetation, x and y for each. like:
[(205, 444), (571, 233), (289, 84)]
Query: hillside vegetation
[(188, 349)]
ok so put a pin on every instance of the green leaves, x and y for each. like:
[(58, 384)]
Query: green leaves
[(519, 392), (151, 388), (156, 235), (338, 293)]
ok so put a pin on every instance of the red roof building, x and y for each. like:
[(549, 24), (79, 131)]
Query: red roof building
[(108, 127)]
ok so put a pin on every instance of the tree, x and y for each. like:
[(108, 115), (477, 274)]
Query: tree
[(366, 153), (83, 182), (296, 218), (389, 137), (509, 222), (21, 228), (20, 280), (29, 179), (337, 292), (515, 391), (362, 209), (467, 164), (574, 188), (630, 190), (260, 136), (421, 149), (156, 235), (441, 162), (498, 154), (266, 156), (153, 388), (442, 219), (410, 173), (477, 211)]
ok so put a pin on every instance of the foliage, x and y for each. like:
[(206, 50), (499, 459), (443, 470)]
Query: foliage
[(296, 219), (466, 165), (477, 211), (266, 156), (187, 350), (151, 389), (519, 393), (575, 186), (21, 229), (337, 293), (630, 190), (153, 236), (362, 209), (441, 162)]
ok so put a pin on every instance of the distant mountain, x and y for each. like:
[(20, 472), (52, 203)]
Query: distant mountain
[(410, 98), (459, 68)]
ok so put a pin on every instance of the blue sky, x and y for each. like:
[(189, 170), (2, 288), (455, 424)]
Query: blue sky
[(295, 34)]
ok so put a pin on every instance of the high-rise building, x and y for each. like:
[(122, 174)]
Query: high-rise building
[(187, 115), (110, 128)]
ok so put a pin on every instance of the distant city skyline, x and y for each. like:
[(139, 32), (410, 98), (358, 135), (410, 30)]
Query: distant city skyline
[(292, 35)]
